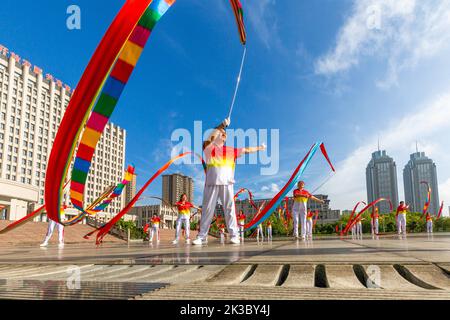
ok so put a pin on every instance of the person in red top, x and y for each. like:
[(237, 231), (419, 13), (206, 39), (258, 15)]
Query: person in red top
[(301, 197), (429, 219), (241, 224), (309, 223), (219, 184), (155, 228), (402, 210), (374, 221), (184, 216)]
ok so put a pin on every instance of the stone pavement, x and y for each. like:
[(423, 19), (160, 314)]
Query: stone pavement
[(416, 267)]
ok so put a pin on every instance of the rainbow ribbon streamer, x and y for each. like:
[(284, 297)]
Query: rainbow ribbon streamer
[(96, 97)]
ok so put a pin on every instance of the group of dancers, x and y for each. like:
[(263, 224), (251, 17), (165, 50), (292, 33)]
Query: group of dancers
[(219, 185)]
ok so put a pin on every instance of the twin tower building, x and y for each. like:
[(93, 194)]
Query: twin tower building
[(381, 180)]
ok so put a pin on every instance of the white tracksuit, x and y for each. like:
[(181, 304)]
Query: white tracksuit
[(430, 226), (309, 227), (374, 226), (51, 227), (299, 212), (260, 232), (219, 184), (401, 223), (222, 235), (154, 230), (183, 218), (269, 233), (241, 229), (359, 228)]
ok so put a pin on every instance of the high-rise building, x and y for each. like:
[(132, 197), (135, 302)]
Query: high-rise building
[(130, 190), (31, 109), (381, 180), (420, 168), (174, 185)]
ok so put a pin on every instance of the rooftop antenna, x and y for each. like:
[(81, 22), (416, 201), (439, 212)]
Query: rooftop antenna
[(417, 147), (379, 143)]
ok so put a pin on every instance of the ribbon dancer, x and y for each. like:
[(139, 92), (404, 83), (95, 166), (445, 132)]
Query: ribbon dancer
[(221, 162), (155, 228), (51, 227), (241, 222), (400, 216), (300, 207), (184, 215)]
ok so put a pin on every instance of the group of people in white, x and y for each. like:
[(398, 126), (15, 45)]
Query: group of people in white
[(219, 185)]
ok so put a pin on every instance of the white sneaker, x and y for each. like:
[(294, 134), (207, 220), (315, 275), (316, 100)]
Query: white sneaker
[(61, 245), (175, 241), (235, 240), (44, 244), (199, 241)]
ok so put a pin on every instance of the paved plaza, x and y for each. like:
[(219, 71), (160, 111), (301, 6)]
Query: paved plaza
[(415, 267)]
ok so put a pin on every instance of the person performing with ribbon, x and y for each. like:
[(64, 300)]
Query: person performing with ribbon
[(429, 220), (374, 223), (155, 229), (359, 232), (219, 183), (241, 222), (51, 227), (400, 216), (300, 207), (184, 215), (309, 224)]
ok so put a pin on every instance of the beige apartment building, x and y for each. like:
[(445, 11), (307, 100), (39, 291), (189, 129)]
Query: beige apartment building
[(32, 105)]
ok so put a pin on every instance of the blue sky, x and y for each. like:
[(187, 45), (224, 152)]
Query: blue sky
[(315, 70)]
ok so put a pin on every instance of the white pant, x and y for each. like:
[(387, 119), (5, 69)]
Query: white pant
[(222, 237), (153, 231), (295, 215), (401, 223), (187, 226), (353, 229), (309, 227), (241, 232), (374, 226), (210, 195), (430, 226), (260, 232), (51, 227), (359, 228), (269, 233)]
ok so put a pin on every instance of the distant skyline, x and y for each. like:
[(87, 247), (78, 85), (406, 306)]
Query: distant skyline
[(315, 70)]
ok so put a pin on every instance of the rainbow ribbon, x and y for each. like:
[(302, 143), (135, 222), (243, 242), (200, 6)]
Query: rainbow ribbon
[(96, 97)]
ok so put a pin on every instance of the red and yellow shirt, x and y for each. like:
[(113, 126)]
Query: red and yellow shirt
[(156, 221), (402, 209), (310, 216), (429, 217), (220, 164), (241, 218), (269, 224), (184, 208), (301, 198)]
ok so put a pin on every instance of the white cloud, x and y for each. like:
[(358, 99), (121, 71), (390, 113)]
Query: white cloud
[(260, 15), (403, 32), (429, 123)]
